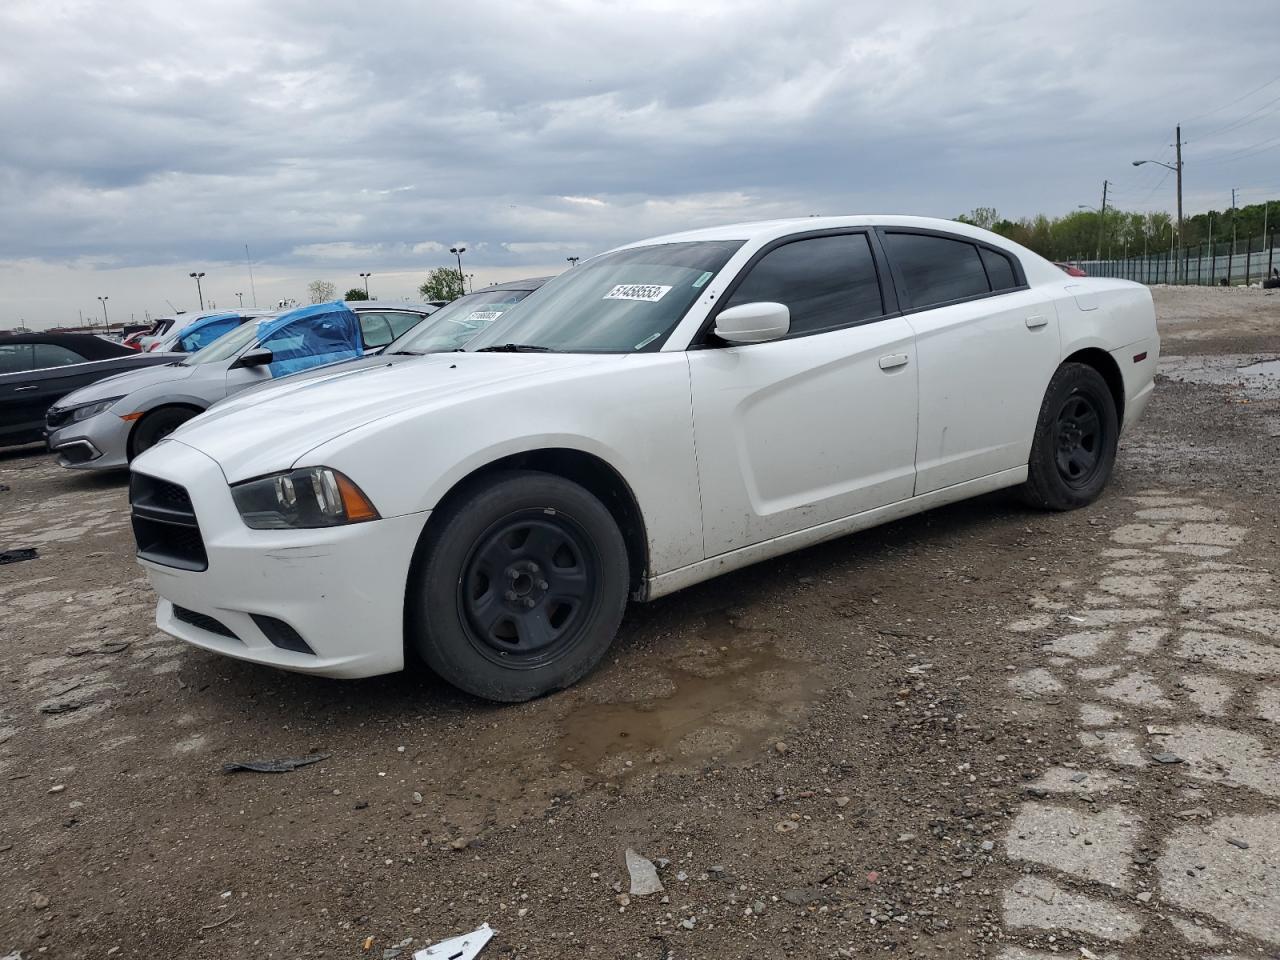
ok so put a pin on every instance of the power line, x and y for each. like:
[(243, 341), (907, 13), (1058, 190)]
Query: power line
[(1229, 103), (1241, 121), (1253, 149)]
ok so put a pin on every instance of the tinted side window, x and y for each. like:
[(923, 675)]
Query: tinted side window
[(999, 269), (826, 282), (375, 330), (52, 355), (15, 357), (936, 269)]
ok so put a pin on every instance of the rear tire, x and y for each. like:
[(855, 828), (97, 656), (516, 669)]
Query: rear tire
[(157, 425), (520, 591), (1074, 450)]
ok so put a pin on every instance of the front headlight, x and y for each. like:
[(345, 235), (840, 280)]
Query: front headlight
[(87, 410), (302, 499)]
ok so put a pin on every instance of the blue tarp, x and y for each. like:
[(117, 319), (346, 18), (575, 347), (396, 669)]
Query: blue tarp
[(311, 336), (206, 330)]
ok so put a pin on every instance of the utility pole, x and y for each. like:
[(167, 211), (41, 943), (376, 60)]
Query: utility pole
[(1233, 221), (1102, 217), (1177, 138)]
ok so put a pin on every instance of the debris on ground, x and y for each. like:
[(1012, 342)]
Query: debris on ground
[(110, 646), (18, 555), (67, 706), (644, 875), (283, 765), (458, 948), (1167, 758)]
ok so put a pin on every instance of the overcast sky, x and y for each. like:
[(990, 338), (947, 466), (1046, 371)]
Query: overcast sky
[(145, 140)]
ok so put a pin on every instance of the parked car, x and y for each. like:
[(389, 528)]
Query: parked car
[(38, 369), (134, 412), (449, 329), (203, 330), (656, 416)]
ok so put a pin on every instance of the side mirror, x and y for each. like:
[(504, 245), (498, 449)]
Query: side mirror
[(754, 322), (257, 357)]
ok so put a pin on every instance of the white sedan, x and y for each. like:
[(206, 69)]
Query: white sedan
[(658, 415)]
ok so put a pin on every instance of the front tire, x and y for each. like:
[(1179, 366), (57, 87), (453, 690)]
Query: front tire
[(520, 591), (157, 425), (1074, 450)]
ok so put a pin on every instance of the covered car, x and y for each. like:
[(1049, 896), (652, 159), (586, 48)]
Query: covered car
[(107, 425)]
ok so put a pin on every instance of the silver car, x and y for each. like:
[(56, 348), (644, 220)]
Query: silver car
[(106, 425)]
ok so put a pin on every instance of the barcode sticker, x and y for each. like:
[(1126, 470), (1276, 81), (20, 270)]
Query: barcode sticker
[(485, 316), (646, 292)]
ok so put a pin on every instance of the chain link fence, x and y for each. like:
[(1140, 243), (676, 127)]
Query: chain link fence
[(1244, 262)]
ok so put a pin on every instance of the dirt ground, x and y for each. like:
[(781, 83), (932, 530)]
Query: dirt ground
[(981, 732)]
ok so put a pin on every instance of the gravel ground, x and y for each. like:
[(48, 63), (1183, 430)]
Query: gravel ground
[(982, 732)]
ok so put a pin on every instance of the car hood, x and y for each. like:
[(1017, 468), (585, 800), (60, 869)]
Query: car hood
[(123, 384), (268, 429), (254, 393)]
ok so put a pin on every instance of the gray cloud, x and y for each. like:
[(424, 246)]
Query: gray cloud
[(147, 136)]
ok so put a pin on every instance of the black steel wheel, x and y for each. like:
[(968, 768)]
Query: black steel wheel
[(1080, 440), (518, 586), (1074, 448), (528, 588)]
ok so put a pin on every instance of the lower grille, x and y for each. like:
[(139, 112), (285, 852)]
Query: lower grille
[(165, 525), (203, 621), (281, 634), (80, 451)]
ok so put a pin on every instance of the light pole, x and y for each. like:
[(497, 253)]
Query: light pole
[(573, 261), (1176, 168), (240, 297), (196, 277), (105, 323), (365, 277), (458, 252), (471, 283)]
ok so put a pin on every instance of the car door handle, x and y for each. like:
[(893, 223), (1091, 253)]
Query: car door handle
[(893, 360), (22, 389), (1039, 320)]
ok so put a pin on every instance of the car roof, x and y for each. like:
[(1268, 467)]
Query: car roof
[(770, 229), (88, 345), (358, 305)]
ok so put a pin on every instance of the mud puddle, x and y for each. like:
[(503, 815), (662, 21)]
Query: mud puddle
[(1258, 379), (728, 695)]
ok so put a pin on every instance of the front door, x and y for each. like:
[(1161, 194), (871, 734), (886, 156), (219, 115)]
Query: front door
[(815, 427)]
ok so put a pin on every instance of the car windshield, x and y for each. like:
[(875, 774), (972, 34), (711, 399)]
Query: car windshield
[(226, 346), (621, 302), (452, 326)]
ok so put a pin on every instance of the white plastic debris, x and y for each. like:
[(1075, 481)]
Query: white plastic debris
[(644, 875), (464, 947)]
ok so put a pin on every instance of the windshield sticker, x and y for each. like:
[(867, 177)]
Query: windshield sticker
[(645, 292), (702, 279), (647, 340), (484, 316)]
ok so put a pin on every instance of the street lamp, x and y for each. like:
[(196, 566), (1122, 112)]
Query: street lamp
[(240, 297), (105, 323), (365, 277), (573, 261), (458, 252), (196, 277)]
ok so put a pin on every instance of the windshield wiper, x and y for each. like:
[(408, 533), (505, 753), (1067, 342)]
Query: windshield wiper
[(408, 353), (514, 348)]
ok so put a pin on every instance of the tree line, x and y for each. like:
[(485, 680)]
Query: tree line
[(1086, 234)]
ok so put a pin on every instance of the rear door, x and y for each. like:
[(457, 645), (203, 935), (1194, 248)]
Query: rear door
[(987, 345), (815, 427)]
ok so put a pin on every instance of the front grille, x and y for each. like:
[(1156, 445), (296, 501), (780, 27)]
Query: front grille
[(165, 525), (203, 621), (56, 418)]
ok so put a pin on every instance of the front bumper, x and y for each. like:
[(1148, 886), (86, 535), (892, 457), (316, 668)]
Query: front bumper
[(341, 589), (99, 443)]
